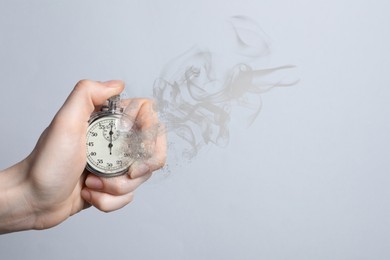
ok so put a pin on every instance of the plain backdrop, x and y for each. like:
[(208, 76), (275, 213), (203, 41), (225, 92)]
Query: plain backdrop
[(308, 180)]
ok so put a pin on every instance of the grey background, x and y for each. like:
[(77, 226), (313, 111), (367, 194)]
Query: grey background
[(310, 178)]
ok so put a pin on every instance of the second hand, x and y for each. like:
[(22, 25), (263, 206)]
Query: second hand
[(110, 145)]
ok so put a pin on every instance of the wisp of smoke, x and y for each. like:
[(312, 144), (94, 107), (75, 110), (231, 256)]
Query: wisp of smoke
[(195, 102)]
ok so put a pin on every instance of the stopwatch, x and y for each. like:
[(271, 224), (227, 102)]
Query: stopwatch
[(107, 146)]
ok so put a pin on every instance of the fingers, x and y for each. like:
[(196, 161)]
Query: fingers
[(148, 138), (86, 95), (153, 139), (104, 201), (117, 186), (148, 151), (108, 194), (132, 107)]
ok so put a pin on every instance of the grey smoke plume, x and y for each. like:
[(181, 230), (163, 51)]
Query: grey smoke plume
[(195, 99)]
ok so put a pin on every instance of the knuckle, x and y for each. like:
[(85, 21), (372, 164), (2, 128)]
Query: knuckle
[(149, 104), (104, 208), (120, 185), (82, 84), (160, 165), (107, 204), (161, 162), (102, 203), (119, 189), (157, 163)]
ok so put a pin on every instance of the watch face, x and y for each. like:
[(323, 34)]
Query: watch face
[(107, 148)]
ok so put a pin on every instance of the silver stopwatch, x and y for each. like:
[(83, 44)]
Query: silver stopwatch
[(108, 147)]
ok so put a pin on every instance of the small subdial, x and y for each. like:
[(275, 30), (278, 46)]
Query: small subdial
[(110, 132)]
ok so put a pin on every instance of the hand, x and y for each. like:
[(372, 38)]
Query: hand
[(51, 184)]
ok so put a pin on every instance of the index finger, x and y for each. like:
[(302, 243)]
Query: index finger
[(150, 135)]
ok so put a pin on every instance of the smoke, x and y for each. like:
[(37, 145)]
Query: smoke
[(195, 96)]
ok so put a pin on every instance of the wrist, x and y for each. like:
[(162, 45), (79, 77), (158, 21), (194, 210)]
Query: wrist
[(16, 213)]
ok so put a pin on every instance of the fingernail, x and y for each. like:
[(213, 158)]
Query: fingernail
[(94, 182), (139, 171)]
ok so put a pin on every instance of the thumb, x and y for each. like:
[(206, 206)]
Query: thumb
[(86, 95)]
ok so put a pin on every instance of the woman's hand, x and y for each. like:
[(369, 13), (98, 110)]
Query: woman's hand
[(51, 184)]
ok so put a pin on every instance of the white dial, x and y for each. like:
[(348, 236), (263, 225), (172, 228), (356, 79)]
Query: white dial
[(107, 148), (110, 132)]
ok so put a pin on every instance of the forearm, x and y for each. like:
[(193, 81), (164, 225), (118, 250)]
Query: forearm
[(15, 211)]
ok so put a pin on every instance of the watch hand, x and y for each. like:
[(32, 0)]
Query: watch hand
[(110, 145)]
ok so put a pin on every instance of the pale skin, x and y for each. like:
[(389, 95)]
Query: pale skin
[(51, 184)]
